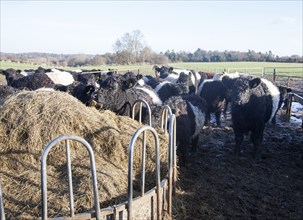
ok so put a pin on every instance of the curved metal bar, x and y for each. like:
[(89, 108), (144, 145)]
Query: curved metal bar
[(141, 101), (164, 117), (43, 171), (70, 179), (130, 168), (172, 164), (2, 213)]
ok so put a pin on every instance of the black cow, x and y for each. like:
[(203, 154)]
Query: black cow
[(5, 92), (214, 92), (254, 101), (11, 75)]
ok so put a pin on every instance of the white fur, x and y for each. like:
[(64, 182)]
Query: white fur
[(194, 80), (178, 71), (172, 78), (275, 94), (152, 94), (24, 73), (187, 72), (45, 89), (199, 119), (202, 84), (97, 85), (218, 76), (141, 82), (159, 86), (60, 77)]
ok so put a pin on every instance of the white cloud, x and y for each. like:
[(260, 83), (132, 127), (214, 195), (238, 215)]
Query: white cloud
[(284, 20)]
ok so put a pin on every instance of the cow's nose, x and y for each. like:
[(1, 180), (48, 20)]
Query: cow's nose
[(239, 102)]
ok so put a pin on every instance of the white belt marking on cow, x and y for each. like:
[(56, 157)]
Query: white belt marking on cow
[(60, 77), (202, 84), (152, 94), (158, 87), (199, 119), (275, 94)]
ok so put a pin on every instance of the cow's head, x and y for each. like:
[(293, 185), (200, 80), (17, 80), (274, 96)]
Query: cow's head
[(242, 89)]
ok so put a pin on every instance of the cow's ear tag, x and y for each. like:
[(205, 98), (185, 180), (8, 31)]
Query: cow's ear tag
[(88, 91)]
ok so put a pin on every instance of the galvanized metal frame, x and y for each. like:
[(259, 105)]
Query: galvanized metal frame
[(172, 163), (141, 102), (130, 168), (2, 213), (48, 147)]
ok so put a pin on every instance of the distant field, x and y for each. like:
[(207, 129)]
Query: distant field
[(256, 68)]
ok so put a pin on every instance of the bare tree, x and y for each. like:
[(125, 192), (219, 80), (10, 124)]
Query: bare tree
[(129, 46)]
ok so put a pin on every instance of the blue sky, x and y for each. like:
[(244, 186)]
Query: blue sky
[(92, 27)]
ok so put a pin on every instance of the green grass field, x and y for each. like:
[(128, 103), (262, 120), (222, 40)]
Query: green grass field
[(256, 68)]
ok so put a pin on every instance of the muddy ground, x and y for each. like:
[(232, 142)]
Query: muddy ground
[(217, 185)]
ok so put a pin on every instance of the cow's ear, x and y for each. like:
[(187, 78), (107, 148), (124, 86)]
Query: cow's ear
[(139, 76), (227, 81), (129, 83), (254, 83), (89, 90)]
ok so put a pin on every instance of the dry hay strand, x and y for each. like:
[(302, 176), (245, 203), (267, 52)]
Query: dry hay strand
[(3, 80), (30, 119)]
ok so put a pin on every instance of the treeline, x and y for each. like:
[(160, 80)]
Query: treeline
[(79, 60), (145, 56), (229, 56)]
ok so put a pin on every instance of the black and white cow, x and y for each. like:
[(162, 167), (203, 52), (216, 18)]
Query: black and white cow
[(119, 92), (215, 93), (172, 75), (254, 102), (190, 118), (160, 71), (166, 89), (42, 79)]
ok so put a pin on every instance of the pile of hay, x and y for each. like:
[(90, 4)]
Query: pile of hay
[(29, 120)]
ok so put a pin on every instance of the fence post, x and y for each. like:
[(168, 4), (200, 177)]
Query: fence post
[(274, 77), (289, 103), (288, 81)]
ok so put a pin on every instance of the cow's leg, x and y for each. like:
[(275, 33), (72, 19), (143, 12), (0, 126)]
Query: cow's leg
[(218, 118), (207, 118), (257, 138), (183, 151), (239, 139), (194, 143), (225, 108)]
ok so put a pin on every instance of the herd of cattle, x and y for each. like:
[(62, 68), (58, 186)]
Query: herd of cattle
[(192, 96)]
